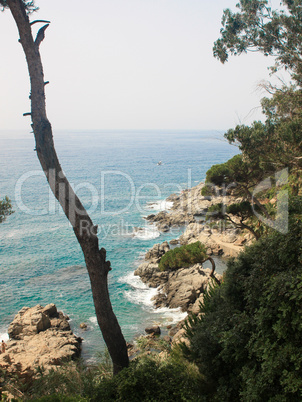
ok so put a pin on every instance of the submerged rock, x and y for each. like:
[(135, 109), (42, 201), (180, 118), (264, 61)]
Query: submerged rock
[(155, 330)]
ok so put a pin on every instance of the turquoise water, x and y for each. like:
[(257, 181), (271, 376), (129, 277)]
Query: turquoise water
[(117, 178)]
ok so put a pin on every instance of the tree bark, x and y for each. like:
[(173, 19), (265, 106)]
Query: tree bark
[(213, 269), (83, 227)]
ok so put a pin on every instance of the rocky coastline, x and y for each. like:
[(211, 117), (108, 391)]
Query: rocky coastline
[(41, 336), (185, 287)]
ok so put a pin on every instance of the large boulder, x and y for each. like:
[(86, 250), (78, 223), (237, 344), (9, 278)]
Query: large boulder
[(39, 337), (157, 251), (28, 322), (148, 271), (183, 287)]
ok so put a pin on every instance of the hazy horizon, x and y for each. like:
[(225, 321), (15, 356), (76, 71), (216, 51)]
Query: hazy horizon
[(135, 65)]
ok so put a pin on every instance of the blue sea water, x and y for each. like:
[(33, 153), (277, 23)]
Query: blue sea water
[(116, 175)]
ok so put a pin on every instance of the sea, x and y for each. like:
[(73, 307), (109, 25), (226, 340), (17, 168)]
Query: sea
[(120, 177)]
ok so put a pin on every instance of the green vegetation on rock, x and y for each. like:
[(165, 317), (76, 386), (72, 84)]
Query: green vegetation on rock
[(184, 256)]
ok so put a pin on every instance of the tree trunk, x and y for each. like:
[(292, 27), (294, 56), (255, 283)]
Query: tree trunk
[(83, 227), (242, 225), (213, 269)]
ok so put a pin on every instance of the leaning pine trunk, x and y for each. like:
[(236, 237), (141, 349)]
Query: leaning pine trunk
[(83, 227)]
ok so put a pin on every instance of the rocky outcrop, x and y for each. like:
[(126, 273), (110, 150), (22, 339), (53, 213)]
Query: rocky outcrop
[(228, 242), (184, 288), (148, 271), (155, 330), (181, 288), (189, 209), (39, 337)]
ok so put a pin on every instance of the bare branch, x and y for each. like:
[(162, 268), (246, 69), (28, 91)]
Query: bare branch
[(39, 21), (41, 35)]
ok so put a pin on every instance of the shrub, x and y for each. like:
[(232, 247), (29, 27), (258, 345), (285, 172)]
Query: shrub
[(247, 342), (184, 256), (148, 379), (61, 398)]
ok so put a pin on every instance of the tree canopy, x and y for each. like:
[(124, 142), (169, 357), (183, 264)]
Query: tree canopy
[(29, 6), (256, 27), (184, 256)]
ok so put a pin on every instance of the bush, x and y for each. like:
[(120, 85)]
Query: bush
[(148, 379), (184, 256), (61, 398), (247, 342), (217, 174)]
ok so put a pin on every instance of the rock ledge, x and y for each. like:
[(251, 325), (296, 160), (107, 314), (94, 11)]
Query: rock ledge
[(39, 337)]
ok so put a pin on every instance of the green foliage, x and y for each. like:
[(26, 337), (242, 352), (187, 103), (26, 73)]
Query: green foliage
[(184, 256), (218, 174), (207, 190), (5, 209), (61, 398), (242, 209), (256, 27), (215, 211), (272, 145), (236, 174), (29, 6), (149, 379), (247, 342), (145, 343), (68, 381)]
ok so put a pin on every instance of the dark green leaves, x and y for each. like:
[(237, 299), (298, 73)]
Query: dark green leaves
[(258, 28), (183, 256), (247, 342), (5, 209)]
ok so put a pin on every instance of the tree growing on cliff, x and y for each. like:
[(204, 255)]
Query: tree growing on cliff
[(242, 211), (186, 256), (236, 176), (5, 209), (277, 143), (83, 227), (256, 27)]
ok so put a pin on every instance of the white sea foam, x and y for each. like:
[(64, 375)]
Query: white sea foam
[(4, 337), (169, 315), (146, 233), (162, 205), (139, 292), (14, 233), (93, 320)]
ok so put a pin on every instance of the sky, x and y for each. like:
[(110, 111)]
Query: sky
[(132, 64)]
